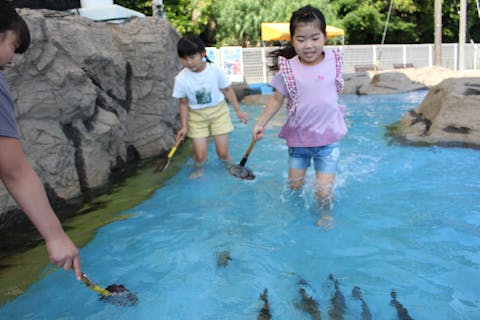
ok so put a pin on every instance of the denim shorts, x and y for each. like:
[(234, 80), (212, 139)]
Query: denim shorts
[(325, 158)]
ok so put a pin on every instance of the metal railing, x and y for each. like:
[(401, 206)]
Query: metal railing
[(255, 61)]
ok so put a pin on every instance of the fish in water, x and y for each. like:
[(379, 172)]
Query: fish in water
[(223, 258), (307, 303), (337, 310), (120, 296), (357, 294), (402, 312), (265, 311)]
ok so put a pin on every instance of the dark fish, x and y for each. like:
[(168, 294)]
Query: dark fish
[(120, 296), (357, 294), (307, 303), (337, 310), (242, 172), (265, 311), (304, 283), (223, 258), (402, 312)]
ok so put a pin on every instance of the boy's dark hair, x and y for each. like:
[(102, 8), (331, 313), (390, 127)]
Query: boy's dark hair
[(11, 20), (306, 14), (190, 45)]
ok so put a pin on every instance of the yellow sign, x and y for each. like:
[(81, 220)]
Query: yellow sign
[(277, 31)]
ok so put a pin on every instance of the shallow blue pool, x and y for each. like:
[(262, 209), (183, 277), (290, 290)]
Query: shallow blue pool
[(407, 219)]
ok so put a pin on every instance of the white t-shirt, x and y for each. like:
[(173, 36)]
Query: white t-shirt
[(201, 88)]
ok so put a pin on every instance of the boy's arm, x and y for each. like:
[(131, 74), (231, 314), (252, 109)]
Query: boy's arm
[(232, 98), (183, 111), (24, 185), (271, 108)]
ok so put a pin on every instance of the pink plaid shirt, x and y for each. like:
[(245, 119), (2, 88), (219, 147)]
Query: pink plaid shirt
[(314, 116), (289, 79)]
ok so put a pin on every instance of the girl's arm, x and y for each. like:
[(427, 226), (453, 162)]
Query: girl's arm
[(183, 111), (232, 98), (271, 108), (23, 184)]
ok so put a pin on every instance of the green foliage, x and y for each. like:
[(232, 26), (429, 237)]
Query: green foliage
[(237, 22), (450, 21), (144, 7), (365, 21), (364, 25), (188, 16)]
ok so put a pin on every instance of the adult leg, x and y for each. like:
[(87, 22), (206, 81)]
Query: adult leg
[(221, 146)]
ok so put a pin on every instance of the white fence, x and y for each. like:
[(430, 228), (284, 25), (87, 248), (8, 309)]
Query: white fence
[(252, 63)]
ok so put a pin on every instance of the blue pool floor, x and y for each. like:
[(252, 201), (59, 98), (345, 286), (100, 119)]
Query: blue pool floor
[(407, 220)]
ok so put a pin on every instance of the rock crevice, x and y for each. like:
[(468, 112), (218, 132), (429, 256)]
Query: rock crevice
[(92, 97)]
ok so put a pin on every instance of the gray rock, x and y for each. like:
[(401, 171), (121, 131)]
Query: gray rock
[(448, 115), (92, 96), (390, 82)]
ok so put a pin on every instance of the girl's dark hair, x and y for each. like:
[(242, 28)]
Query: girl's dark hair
[(307, 14), (190, 45), (11, 20)]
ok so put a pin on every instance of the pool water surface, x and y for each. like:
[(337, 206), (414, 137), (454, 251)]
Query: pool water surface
[(407, 220)]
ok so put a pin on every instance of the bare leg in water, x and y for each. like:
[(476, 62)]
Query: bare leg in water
[(200, 149), (324, 186), (324, 191)]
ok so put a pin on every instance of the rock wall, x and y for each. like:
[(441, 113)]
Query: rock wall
[(91, 97)]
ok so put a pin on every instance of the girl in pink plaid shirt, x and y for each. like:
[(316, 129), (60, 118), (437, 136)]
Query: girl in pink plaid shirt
[(310, 78)]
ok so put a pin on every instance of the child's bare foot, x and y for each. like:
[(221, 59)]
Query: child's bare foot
[(196, 173), (197, 170), (326, 222)]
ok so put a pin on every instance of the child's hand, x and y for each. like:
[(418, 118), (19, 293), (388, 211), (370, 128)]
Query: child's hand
[(242, 116), (257, 132), (181, 134)]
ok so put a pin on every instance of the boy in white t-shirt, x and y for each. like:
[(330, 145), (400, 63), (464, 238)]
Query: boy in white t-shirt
[(201, 88)]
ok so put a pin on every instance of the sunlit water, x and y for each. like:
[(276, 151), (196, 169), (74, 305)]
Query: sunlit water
[(407, 219)]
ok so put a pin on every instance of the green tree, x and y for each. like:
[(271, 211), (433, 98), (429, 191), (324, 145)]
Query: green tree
[(365, 21), (450, 21), (144, 7), (186, 16), (237, 22)]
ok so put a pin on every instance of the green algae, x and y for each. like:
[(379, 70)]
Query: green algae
[(20, 270)]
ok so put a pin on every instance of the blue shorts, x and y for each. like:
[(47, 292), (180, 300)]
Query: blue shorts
[(325, 158)]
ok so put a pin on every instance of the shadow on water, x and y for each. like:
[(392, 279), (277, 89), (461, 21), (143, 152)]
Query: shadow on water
[(24, 258)]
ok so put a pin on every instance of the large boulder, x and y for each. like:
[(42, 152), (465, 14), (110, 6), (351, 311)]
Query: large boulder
[(390, 82), (449, 115), (91, 97)]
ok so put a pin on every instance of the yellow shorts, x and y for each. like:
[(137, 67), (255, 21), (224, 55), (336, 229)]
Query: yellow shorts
[(212, 120)]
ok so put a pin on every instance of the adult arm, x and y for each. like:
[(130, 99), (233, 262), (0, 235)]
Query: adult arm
[(24, 185), (271, 108)]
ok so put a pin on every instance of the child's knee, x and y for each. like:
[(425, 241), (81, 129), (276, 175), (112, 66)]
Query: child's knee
[(200, 158), (324, 192), (296, 184), (224, 155)]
